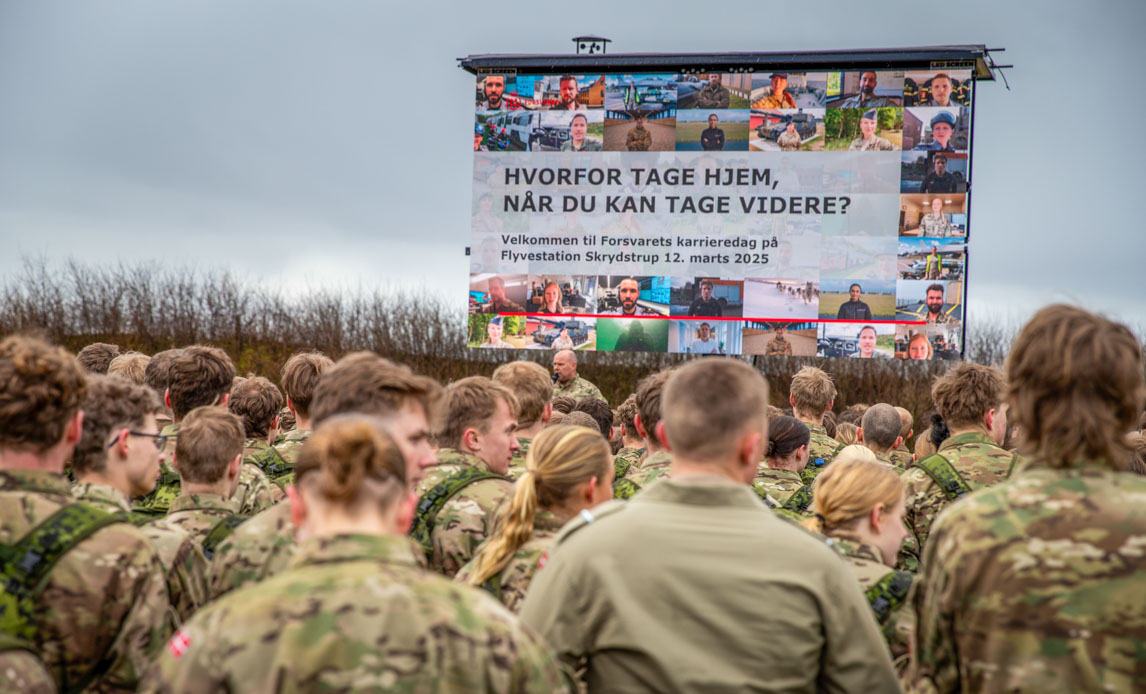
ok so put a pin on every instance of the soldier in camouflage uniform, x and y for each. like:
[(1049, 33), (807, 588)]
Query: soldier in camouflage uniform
[(778, 345), (970, 399), (1035, 584), (813, 394), (639, 138), (879, 431), (934, 301), (647, 419), (21, 670), (299, 377), (935, 223), (568, 382), (778, 96), (900, 457), (866, 97), (530, 384), (869, 141), (789, 140), (99, 611), (778, 480), (257, 402), (419, 633), (713, 94), (569, 471)]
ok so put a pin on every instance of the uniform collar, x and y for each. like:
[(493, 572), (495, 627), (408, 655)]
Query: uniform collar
[(296, 435), (700, 490), (103, 494), (452, 456), (354, 547), (657, 460), (255, 445), (857, 549), (34, 481), (547, 520), (966, 438), (773, 473), (171, 429), (202, 502), (817, 429)]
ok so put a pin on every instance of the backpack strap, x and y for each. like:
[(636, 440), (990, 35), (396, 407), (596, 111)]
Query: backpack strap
[(431, 503), (940, 469), (800, 500), (277, 469), (888, 593), (218, 532), (27, 565), (625, 488)]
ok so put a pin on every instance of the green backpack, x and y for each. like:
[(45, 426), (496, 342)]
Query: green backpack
[(277, 469), (888, 593), (431, 503)]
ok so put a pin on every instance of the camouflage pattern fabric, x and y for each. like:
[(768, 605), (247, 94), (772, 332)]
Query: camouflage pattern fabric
[(941, 318), (779, 345), (789, 142), (652, 469), (780, 486), (278, 470), (1035, 585), (626, 459), (624, 488), (510, 585), (980, 463), (578, 389), (874, 144), (935, 225), (517, 464), (467, 518), (195, 514), (821, 450), (859, 101), (103, 612), (183, 562), (639, 139), (713, 96), (886, 589), (157, 501), (901, 459), (21, 670), (261, 547), (255, 491), (783, 100), (355, 613)]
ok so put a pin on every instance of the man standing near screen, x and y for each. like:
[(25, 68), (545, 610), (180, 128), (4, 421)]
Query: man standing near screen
[(705, 342), (935, 223), (868, 140), (639, 139), (866, 97), (712, 139), (939, 180), (713, 94), (568, 91), (705, 305), (854, 309), (935, 302)]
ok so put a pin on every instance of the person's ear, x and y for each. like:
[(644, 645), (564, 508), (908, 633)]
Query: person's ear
[(662, 436), (589, 490), (167, 398), (406, 508), (876, 517), (611, 431), (749, 454), (640, 427), (472, 439), (226, 399), (989, 419), (792, 400), (233, 467), (120, 446), (831, 403), (898, 442), (298, 507), (859, 434), (290, 406), (275, 422), (75, 428), (547, 413)]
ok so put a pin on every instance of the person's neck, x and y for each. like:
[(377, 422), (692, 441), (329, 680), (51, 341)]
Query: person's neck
[(531, 431), (221, 488), (107, 479), (877, 450), (51, 460), (630, 442), (567, 380), (341, 524), (652, 446), (301, 422), (956, 431), (810, 419), (577, 143), (791, 464), (682, 467)]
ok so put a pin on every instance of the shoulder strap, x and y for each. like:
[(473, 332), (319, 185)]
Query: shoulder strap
[(219, 532), (800, 500), (839, 448), (27, 564), (625, 488), (270, 461), (939, 469), (493, 586), (426, 514), (888, 593)]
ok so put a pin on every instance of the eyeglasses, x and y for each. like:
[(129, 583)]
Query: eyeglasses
[(160, 439)]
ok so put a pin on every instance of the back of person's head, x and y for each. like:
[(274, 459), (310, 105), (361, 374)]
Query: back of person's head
[(96, 357), (880, 425), (1142, 422), (531, 384), (350, 461), (923, 445), (649, 396), (300, 376), (366, 383), (847, 433), (829, 421), (157, 375), (560, 460), (209, 439), (855, 451), (774, 412), (198, 376), (849, 416), (131, 366), (1075, 385), (564, 404), (578, 419), (110, 405), (812, 391), (708, 404), (599, 410), (627, 413), (847, 490), (41, 389), (785, 436), (906, 421), (966, 393), (470, 404), (257, 401)]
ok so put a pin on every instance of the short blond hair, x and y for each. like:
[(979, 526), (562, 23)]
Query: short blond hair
[(708, 403), (470, 404), (847, 490), (906, 421), (131, 366), (209, 439), (855, 451), (300, 375), (531, 384), (966, 393), (812, 391)]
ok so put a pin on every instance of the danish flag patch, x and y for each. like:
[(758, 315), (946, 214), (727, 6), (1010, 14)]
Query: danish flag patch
[(541, 562), (179, 644)]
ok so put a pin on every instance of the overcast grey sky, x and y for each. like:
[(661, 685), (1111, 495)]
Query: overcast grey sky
[(318, 143)]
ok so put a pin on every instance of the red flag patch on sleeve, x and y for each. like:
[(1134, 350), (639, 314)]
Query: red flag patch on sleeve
[(179, 644)]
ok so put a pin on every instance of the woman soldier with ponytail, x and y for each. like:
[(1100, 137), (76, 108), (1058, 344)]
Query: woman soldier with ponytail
[(354, 611), (858, 505), (568, 470)]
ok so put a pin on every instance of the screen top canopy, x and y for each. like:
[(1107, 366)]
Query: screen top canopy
[(977, 57)]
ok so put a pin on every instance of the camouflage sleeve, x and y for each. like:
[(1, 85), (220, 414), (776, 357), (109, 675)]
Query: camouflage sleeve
[(723, 100), (464, 523), (855, 655), (187, 664), (187, 580), (933, 664), (244, 559), (923, 500)]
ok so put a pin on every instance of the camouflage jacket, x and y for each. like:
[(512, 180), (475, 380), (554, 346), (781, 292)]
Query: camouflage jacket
[(255, 491), (627, 460), (713, 96), (789, 142), (271, 462), (886, 590), (779, 485), (510, 585), (261, 547), (355, 613), (21, 670), (935, 225), (182, 559), (639, 140), (874, 144), (577, 388), (977, 459), (821, 450), (104, 611), (778, 345), (517, 465), (1035, 585), (157, 501), (901, 458), (195, 514), (776, 101), (653, 468), (467, 518)]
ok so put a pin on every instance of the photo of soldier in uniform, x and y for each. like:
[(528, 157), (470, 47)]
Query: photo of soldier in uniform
[(931, 88), (640, 92), (632, 335), (640, 131), (781, 299), (857, 300), (775, 338), (570, 131), (712, 131), (713, 91), (494, 331), (704, 337), (941, 129), (706, 297), (933, 172), (497, 93), (856, 340), (560, 294), (789, 130), (865, 89), (930, 259), (864, 130), (779, 90), (924, 342), (498, 293), (933, 216), (933, 301)]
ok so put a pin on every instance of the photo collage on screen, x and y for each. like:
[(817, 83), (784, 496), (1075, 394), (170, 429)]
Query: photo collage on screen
[(892, 292)]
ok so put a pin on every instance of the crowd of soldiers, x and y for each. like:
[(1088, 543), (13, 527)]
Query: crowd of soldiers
[(167, 526)]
